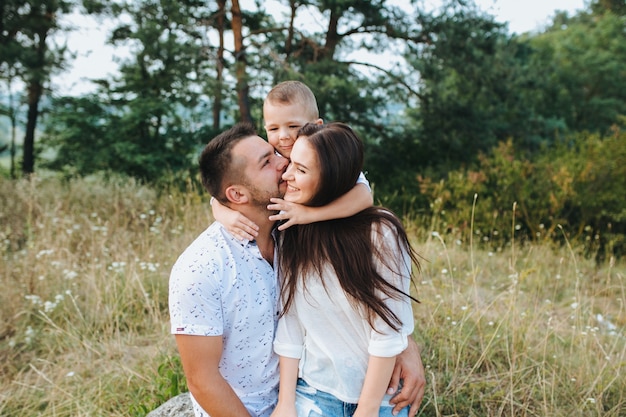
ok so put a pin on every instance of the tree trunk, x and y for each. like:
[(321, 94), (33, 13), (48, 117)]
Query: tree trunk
[(28, 160), (217, 100), (240, 65)]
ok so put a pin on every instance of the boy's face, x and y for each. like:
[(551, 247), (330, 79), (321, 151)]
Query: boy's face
[(282, 122)]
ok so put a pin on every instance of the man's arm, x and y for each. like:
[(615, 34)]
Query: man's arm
[(200, 356), (357, 199), (410, 369)]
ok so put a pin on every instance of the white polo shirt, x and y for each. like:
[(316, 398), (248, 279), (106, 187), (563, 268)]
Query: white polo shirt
[(221, 286)]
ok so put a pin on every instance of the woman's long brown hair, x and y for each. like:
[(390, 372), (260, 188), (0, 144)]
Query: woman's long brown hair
[(346, 244)]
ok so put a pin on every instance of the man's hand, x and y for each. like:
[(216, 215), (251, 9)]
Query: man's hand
[(410, 369)]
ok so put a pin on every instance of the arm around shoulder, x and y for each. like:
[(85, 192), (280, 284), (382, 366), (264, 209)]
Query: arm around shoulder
[(236, 223)]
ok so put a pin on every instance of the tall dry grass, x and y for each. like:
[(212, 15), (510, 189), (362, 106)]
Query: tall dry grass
[(525, 331)]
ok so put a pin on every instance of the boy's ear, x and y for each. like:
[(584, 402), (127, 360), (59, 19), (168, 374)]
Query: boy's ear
[(319, 122), (236, 194)]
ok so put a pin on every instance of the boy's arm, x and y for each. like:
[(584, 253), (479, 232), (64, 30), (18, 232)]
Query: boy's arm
[(379, 370), (236, 223), (357, 199)]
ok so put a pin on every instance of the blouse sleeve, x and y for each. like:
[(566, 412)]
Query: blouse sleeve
[(364, 181), (289, 340)]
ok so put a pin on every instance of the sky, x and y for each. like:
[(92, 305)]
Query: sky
[(95, 59)]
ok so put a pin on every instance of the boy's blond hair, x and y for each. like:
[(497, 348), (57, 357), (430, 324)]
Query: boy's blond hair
[(294, 92)]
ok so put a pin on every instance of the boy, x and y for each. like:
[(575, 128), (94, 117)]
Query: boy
[(287, 107)]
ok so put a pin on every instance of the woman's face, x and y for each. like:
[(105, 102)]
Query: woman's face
[(303, 174)]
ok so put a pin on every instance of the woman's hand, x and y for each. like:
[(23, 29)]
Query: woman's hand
[(285, 410)]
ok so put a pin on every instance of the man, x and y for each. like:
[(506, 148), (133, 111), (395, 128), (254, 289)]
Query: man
[(224, 294)]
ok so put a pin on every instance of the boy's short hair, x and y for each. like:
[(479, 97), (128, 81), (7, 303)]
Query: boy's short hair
[(295, 92), (218, 169)]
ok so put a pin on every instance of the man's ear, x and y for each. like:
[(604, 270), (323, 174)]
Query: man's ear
[(237, 194), (319, 122)]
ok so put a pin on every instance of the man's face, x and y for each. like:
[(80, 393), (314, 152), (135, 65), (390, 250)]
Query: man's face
[(282, 122), (263, 169)]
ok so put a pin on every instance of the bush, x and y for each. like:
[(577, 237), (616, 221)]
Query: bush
[(576, 187)]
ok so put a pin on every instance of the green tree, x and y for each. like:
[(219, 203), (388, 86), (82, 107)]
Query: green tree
[(26, 47), (153, 112), (584, 58)]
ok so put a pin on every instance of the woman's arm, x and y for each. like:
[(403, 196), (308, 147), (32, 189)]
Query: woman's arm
[(379, 371), (357, 199), (286, 406), (236, 223)]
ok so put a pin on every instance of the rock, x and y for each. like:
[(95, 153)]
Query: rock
[(179, 406)]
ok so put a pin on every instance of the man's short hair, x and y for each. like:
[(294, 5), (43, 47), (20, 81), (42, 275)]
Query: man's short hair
[(295, 92), (218, 170)]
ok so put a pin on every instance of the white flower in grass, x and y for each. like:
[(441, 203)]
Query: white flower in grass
[(117, 266), (68, 274), (44, 252), (28, 334), (49, 306), (34, 299)]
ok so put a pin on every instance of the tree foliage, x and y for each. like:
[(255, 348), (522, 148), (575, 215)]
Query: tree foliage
[(27, 52), (432, 92)]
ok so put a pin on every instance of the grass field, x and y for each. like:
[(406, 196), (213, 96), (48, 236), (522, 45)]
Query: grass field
[(526, 330)]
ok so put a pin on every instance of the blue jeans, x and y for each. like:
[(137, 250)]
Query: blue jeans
[(311, 402)]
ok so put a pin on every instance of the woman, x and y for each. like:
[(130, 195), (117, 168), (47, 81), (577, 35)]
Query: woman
[(345, 288)]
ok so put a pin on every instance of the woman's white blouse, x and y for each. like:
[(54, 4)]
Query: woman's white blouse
[(332, 339)]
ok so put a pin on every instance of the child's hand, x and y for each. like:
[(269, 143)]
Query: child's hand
[(236, 223), (292, 212)]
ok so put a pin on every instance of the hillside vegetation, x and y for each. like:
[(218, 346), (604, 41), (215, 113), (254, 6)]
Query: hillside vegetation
[(516, 329)]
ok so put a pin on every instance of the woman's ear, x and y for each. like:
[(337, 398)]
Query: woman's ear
[(237, 194)]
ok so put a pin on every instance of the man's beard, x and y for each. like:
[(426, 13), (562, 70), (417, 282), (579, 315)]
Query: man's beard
[(261, 198)]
